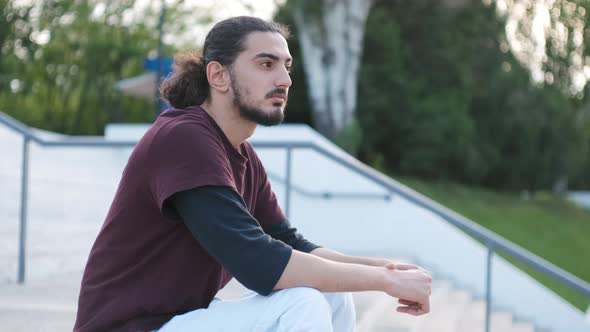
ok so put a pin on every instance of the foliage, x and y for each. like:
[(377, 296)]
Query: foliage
[(442, 97), (549, 39), (61, 59), (440, 93), (548, 226)]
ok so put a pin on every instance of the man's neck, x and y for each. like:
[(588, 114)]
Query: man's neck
[(229, 120)]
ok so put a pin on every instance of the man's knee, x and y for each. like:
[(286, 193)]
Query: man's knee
[(337, 300), (306, 297), (331, 302), (343, 311), (305, 308)]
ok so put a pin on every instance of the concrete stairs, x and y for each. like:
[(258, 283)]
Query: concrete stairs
[(40, 306), (452, 310), (50, 306), (66, 208)]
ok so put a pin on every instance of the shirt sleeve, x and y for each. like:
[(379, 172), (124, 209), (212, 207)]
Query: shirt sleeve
[(283, 231), (218, 219), (185, 156)]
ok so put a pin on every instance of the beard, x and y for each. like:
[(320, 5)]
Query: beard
[(255, 113)]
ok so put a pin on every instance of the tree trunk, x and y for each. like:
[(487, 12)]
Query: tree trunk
[(331, 46)]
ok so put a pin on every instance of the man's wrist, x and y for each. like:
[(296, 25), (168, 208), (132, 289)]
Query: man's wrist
[(381, 262), (383, 280), (384, 262)]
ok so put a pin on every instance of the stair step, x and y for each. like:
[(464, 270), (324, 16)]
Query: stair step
[(474, 319), (363, 302), (50, 305), (522, 327), (445, 312), (232, 290), (383, 315), (18, 320)]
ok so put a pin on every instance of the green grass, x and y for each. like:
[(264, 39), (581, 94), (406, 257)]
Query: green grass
[(548, 226)]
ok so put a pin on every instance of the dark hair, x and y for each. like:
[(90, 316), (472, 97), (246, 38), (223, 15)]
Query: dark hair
[(188, 84)]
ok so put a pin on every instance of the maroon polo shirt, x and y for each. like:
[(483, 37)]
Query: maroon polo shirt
[(145, 266)]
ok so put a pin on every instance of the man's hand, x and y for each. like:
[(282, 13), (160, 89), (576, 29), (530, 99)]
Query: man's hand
[(411, 308), (402, 266), (411, 284)]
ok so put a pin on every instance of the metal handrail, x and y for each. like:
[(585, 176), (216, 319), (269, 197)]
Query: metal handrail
[(492, 241), (329, 194)]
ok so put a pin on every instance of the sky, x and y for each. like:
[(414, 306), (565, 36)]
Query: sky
[(219, 9), (530, 51)]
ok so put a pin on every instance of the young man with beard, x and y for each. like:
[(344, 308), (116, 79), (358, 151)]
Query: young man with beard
[(194, 208)]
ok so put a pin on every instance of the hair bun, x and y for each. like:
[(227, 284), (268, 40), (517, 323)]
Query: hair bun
[(188, 62), (187, 85)]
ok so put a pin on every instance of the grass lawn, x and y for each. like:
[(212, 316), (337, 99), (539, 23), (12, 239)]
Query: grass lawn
[(550, 227)]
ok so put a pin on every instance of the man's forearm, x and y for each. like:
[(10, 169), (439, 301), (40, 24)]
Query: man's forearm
[(336, 256), (412, 286), (307, 270)]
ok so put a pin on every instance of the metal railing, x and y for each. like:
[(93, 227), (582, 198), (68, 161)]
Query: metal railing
[(492, 241), (327, 194), (29, 136)]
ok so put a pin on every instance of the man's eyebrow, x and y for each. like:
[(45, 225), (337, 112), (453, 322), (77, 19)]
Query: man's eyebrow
[(271, 56)]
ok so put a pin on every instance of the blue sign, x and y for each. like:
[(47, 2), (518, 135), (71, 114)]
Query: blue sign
[(151, 65)]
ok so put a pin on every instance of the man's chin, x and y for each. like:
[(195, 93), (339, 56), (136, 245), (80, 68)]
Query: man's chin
[(273, 118), (265, 118), (271, 121)]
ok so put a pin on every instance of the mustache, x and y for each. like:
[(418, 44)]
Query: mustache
[(277, 92)]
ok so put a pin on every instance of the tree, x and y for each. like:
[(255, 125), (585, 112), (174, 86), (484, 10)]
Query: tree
[(14, 39), (59, 67), (331, 33), (441, 96), (66, 74), (548, 37)]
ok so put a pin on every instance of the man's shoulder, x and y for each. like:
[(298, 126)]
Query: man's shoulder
[(184, 125), (183, 117)]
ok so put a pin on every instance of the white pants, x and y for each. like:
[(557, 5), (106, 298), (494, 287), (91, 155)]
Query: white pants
[(298, 309)]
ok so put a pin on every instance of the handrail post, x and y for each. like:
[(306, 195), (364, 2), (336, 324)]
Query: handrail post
[(489, 285), (23, 211), (288, 182)]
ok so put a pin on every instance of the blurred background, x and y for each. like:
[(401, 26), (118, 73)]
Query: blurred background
[(482, 106)]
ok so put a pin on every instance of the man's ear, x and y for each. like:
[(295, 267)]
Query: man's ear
[(218, 76)]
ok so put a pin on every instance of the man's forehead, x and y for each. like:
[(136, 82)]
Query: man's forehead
[(267, 43)]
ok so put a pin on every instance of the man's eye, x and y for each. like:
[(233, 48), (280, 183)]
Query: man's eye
[(288, 69), (267, 64)]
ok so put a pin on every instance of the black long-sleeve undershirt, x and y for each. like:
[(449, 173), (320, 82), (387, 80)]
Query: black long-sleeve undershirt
[(256, 256)]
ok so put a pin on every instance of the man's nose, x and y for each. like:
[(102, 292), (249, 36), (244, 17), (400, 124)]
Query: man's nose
[(284, 79)]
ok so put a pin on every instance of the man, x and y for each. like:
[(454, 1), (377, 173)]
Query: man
[(194, 208)]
